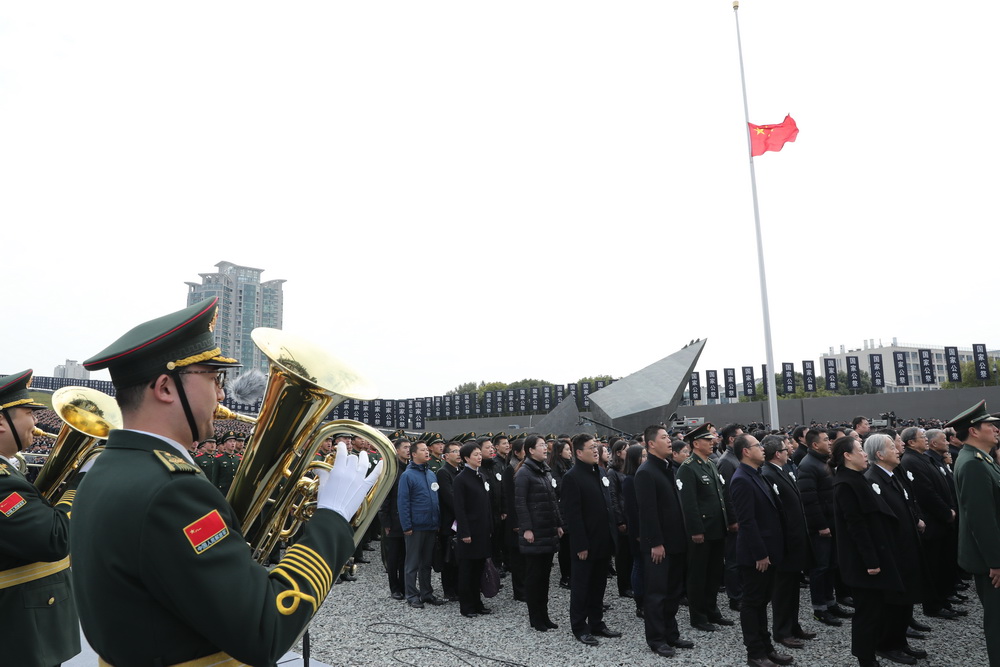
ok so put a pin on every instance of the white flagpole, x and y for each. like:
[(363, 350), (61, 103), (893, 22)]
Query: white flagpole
[(772, 393)]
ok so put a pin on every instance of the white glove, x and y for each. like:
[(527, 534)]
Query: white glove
[(345, 487)]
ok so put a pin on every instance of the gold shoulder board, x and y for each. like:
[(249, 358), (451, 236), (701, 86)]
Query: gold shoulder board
[(173, 462)]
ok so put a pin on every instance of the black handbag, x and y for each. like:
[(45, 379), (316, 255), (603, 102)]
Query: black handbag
[(489, 584)]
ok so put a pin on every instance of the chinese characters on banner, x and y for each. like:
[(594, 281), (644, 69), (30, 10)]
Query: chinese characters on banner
[(877, 371), (712, 380), (952, 364), (749, 385), (694, 386), (809, 376), (788, 374), (902, 373), (830, 368), (853, 373), (926, 366)]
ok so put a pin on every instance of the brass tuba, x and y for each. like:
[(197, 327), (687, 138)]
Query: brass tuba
[(88, 416), (304, 383)]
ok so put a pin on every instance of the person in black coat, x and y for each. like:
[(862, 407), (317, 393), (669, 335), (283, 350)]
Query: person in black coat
[(536, 509), (513, 560), (393, 544), (760, 547), (560, 461), (815, 482), (662, 543), (474, 519), (938, 509), (585, 504), (785, 599), (623, 556), (451, 460), (884, 478)]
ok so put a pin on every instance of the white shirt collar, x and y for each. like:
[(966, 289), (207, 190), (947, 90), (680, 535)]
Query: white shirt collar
[(887, 472), (173, 443)]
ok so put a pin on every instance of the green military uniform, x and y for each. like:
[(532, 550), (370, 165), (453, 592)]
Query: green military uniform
[(977, 484), (225, 471), (207, 464), (163, 571), (700, 488), (40, 624)]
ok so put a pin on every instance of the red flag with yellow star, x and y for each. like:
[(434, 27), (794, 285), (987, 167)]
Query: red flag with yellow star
[(765, 138)]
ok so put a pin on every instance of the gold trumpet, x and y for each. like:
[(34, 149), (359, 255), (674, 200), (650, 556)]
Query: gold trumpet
[(269, 493), (222, 412), (88, 416)]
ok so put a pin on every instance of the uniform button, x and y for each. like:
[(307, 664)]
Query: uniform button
[(52, 601)]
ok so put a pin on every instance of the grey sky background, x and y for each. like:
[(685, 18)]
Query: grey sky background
[(463, 191)]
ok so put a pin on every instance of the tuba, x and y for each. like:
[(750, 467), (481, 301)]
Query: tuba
[(270, 493), (88, 416)]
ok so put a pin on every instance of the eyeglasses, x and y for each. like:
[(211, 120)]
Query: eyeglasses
[(220, 376), (783, 449)]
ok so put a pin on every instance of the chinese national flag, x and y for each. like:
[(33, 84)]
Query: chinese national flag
[(765, 138)]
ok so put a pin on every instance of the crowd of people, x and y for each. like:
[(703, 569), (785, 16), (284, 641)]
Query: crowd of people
[(875, 523), (866, 519)]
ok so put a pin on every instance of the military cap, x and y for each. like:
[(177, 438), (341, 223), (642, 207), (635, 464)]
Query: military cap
[(500, 436), (240, 437), (207, 440), (699, 433), (977, 414), (434, 440), (159, 346), (458, 438), (227, 436), (14, 392)]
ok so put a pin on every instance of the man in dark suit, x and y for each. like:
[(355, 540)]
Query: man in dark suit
[(785, 599), (393, 542), (884, 474), (585, 504), (933, 496), (759, 549), (446, 496), (663, 542), (727, 465)]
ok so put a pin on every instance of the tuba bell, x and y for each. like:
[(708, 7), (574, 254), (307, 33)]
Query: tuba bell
[(88, 416), (304, 383)]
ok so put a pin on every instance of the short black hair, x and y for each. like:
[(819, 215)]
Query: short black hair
[(857, 420), (467, 450), (579, 440), (729, 431), (650, 432), (812, 436), (741, 443)]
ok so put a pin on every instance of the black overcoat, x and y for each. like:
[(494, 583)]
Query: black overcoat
[(536, 508), (912, 568), (798, 553), (585, 505), (760, 535), (661, 521), (474, 514)]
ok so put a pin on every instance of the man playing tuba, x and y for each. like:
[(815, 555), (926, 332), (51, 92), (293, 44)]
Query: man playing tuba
[(165, 576)]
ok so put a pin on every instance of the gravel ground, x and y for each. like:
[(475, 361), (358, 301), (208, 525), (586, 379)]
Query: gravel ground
[(361, 625)]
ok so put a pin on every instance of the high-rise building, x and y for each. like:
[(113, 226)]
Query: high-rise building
[(245, 303), (71, 369)]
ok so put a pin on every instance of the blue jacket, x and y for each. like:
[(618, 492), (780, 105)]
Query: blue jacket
[(417, 499)]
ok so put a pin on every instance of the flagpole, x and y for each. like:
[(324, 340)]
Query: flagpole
[(772, 394)]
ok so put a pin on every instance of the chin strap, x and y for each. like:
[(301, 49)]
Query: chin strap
[(13, 431), (187, 406)]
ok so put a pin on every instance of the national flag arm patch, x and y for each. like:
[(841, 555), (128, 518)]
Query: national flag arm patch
[(206, 532), (11, 504)]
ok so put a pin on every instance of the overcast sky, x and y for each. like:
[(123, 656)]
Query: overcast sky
[(461, 191)]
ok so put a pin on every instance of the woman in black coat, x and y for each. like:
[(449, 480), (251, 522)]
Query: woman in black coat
[(623, 556), (866, 552), (560, 461), (474, 519), (540, 526)]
